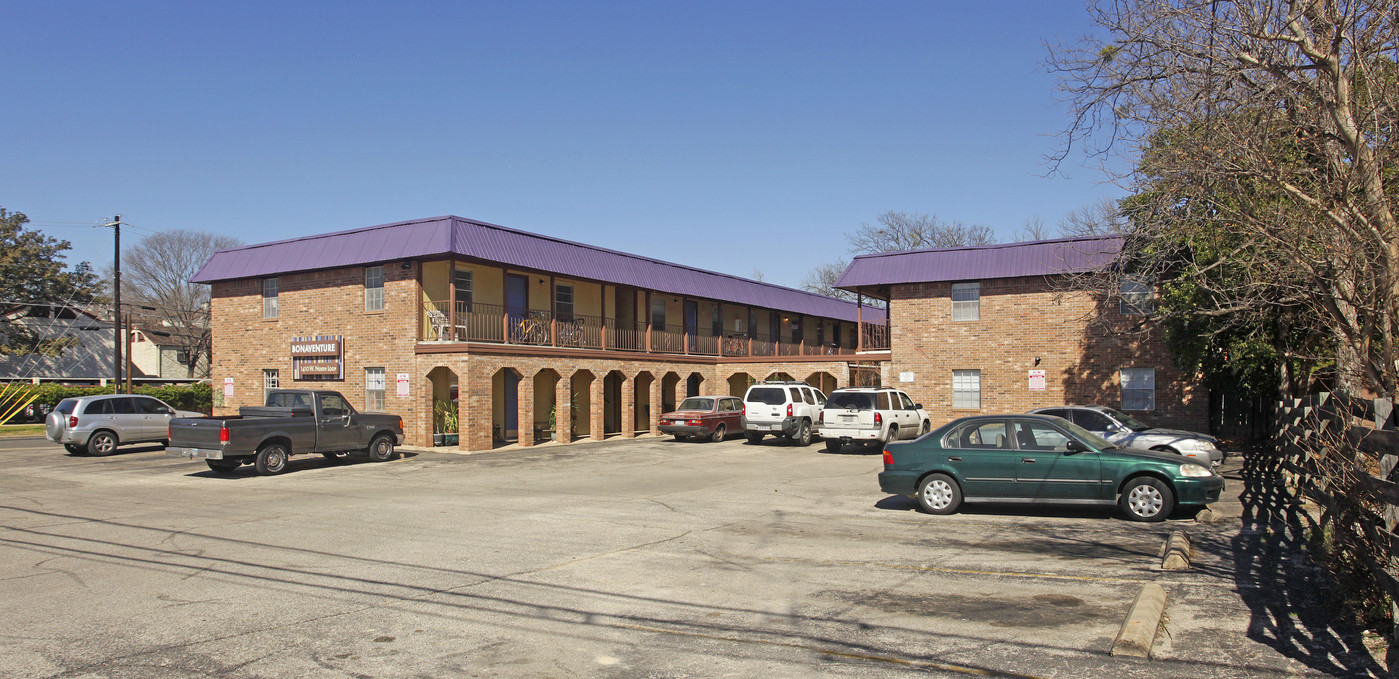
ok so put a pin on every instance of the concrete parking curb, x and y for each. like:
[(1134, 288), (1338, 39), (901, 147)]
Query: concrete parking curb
[(1138, 631), (1176, 553)]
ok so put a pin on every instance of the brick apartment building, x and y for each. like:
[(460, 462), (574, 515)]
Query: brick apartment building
[(513, 329), (1000, 328)]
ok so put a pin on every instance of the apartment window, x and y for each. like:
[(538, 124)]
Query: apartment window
[(563, 302), (269, 298), (461, 280), (1137, 297), (374, 390), (716, 321), (966, 389), (1138, 388), (657, 312), (270, 380), (966, 301), (373, 288), (182, 356)]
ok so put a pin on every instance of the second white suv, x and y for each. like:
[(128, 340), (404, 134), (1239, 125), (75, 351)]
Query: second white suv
[(870, 415), (787, 410)]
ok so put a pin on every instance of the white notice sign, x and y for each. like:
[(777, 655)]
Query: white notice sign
[(905, 377), (1036, 380), (228, 387), (403, 385)]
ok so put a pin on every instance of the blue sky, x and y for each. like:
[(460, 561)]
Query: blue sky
[(736, 137)]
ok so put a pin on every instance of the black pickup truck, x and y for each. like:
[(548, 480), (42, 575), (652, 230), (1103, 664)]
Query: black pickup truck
[(293, 421)]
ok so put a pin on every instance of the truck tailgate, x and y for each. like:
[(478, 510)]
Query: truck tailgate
[(195, 432)]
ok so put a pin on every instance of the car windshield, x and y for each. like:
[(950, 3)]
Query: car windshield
[(773, 396), (1132, 423), (1084, 435), (851, 401), (697, 404)]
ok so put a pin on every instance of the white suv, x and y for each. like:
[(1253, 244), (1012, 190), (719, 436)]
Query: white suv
[(784, 409), (870, 415)]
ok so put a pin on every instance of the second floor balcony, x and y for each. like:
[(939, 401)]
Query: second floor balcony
[(494, 323)]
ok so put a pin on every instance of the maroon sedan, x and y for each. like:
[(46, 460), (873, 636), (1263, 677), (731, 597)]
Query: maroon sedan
[(712, 417)]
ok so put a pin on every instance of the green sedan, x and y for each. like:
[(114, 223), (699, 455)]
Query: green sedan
[(1041, 459)]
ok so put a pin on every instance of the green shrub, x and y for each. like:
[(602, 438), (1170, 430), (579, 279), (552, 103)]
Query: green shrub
[(198, 396)]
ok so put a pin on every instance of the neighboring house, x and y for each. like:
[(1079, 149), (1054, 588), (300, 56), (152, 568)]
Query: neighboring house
[(157, 352), (1001, 328), (514, 327), (84, 354)]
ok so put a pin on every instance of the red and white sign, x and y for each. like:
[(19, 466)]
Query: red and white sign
[(1036, 380), (228, 387), (403, 385)]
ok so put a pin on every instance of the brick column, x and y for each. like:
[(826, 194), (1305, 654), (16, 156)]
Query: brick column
[(595, 403), (655, 423), (563, 410), (526, 410), (474, 408), (419, 401), (629, 408)]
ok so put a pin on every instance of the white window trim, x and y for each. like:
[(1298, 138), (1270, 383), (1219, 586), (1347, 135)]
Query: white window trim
[(968, 308), (270, 307), (960, 383), (373, 294), (1136, 296), (1141, 382), (375, 399)]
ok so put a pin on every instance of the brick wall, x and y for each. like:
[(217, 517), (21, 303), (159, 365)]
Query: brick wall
[(1022, 319)]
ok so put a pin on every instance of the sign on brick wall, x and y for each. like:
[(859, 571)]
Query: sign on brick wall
[(1036, 380), (318, 358)]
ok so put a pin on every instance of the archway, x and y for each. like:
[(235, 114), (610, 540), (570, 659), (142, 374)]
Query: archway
[(823, 381), (446, 418), (641, 421), (545, 404), (694, 384), (612, 402), (668, 387), (780, 377), (581, 385), (505, 407), (739, 383)]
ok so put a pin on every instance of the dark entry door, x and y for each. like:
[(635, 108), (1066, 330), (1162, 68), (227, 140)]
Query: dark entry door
[(691, 323), (517, 306), (512, 404)]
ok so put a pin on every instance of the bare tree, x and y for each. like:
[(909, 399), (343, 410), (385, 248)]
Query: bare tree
[(1033, 228), (894, 231), (1263, 138), (1095, 219), (156, 275), (822, 279)]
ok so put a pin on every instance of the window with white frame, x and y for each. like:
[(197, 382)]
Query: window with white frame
[(966, 301), (373, 288), (1137, 296), (1138, 388), (269, 298), (270, 380), (462, 281), (563, 302), (966, 389), (374, 390)]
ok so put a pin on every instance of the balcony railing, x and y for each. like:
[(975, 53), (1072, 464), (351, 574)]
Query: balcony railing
[(476, 322)]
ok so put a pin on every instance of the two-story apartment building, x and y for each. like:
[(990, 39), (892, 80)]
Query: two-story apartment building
[(1006, 328), (513, 330)]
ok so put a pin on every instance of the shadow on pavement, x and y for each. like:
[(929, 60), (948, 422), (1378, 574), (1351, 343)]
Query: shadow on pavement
[(1286, 593)]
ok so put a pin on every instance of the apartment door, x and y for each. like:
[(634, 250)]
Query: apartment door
[(691, 323), (517, 306)]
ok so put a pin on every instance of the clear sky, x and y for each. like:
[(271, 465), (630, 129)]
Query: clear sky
[(737, 137)]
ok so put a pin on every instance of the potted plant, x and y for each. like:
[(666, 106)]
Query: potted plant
[(554, 414), (446, 422)]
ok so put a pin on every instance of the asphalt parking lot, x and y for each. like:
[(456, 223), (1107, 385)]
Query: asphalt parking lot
[(644, 558)]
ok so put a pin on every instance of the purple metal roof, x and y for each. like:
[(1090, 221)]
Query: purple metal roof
[(444, 236), (980, 262)]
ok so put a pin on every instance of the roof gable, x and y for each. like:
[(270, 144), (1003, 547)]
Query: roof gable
[(982, 262)]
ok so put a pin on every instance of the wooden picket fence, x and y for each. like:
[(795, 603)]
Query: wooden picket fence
[(1341, 452)]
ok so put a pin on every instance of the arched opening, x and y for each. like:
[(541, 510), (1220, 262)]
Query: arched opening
[(505, 407), (668, 387), (545, 405), (612, 402), (641, 422), (738, 384), (823, 381), (446, 420), (582, 390), (780, 377), (694, 384)]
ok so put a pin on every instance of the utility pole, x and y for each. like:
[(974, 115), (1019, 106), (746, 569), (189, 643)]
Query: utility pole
[(116, 304)]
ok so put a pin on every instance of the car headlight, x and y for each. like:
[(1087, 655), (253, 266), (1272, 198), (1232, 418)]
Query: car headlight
[(1195, 470)]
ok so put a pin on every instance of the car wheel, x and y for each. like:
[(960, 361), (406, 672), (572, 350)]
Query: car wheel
[(833, 445), (272, 459), (891, 435), (718, 434), (927, 427), (74, 449), (381, 448), (1147, 499), (101, 443), (223, 466), (939, 494), (754, 439), (803, 437)]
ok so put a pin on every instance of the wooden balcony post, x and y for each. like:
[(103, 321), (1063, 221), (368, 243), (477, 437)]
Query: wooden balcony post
[(859, 323), (649, 320), (451, 298)]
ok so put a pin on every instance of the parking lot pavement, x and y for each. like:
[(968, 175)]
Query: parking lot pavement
[(616, 559)]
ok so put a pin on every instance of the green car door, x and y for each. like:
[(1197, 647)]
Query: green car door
[(983, 453), (1047, 469)]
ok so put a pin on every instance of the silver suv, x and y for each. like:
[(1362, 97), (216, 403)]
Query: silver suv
[(875, 415), (96, 425), (1128, 432), (788, 410)]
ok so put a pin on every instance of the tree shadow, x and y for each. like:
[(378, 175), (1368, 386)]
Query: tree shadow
[(1286, 592)]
